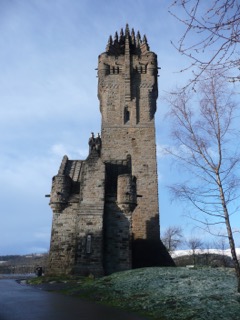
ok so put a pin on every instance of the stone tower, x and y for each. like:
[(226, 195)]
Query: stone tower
[(105, 208)]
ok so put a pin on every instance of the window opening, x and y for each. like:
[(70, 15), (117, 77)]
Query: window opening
[(126, 115), (89, 243)]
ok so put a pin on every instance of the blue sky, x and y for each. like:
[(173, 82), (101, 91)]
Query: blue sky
[(49, 105)]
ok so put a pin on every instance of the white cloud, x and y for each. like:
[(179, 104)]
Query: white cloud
[(59, 149), (72, 152)]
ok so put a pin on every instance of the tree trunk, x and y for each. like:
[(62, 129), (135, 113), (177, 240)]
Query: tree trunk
[(229, 233)]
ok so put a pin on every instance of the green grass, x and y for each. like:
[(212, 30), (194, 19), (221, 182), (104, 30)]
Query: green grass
[(164, 293)]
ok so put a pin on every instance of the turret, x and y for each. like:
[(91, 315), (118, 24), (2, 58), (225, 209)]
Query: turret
[(126, 192), (61, 187)]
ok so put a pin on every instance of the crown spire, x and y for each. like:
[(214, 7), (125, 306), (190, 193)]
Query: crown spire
[(117, 44)]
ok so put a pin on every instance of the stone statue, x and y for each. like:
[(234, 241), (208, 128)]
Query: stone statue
[(91, 142), (95, 143), (98, 143)]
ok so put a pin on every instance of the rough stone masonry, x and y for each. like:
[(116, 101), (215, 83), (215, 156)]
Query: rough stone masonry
[(105, 208)]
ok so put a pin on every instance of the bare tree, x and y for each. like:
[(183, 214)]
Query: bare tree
[(194, 243), (212, 33), (207, 246), (172, 238), (221, 244), (206, 145)]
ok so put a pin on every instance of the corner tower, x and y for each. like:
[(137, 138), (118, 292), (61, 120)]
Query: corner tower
[(127, 90)]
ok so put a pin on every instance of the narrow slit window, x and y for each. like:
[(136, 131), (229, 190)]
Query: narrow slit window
[(126, 115), (89, 244)]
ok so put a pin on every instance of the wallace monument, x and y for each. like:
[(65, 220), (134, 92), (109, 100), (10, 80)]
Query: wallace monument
[(105, 208)]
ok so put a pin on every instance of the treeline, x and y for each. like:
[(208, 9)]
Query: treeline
[(12, 264), (204, 259)]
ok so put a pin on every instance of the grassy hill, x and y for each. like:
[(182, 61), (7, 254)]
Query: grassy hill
[(164, 293)]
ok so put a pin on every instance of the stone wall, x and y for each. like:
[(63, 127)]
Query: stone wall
[(77, 227), (140, 144), (62, 249), (89, 226), (117, 239)]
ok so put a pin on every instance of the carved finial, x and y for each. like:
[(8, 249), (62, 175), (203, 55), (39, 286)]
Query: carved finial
[(133, 36), (138, 39), (116, 37), (110, 40), (121, 35), (109, 44), (127, 30), (144, 44)]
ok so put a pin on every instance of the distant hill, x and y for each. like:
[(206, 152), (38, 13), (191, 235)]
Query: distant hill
[(21, 264), (205, 257), (226, 252)]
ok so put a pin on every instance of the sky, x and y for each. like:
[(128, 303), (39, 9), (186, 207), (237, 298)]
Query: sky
[(49, 106)]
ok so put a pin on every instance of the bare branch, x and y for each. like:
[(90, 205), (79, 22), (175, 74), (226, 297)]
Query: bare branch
[(200, 132), (212, 34), (172, 238)]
